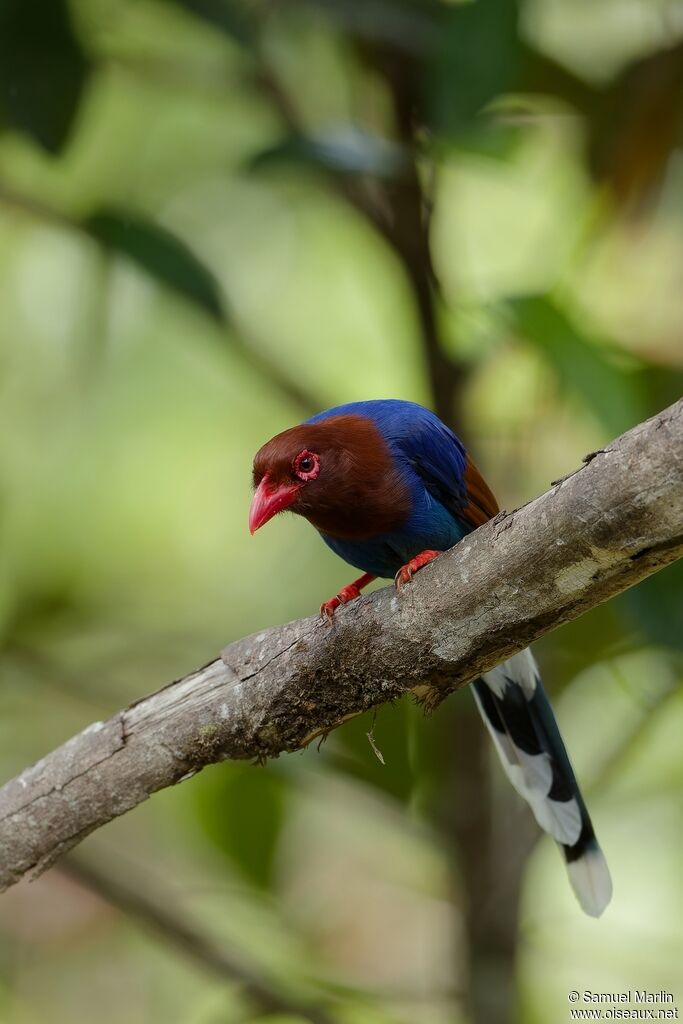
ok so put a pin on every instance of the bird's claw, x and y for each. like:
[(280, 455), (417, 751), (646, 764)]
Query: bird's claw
[(346, 594), (407, 571)]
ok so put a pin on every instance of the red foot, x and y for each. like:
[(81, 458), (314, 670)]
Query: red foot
[(406, 572), (346, 594)]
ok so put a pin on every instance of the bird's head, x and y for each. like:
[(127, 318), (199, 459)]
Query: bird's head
[(338, 473)]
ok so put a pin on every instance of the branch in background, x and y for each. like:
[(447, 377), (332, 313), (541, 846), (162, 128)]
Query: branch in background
[(396, 207), (597, 532), (224, 963), (410, 234), (465, 823)]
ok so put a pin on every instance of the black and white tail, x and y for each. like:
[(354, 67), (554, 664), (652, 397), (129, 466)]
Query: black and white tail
[(519, 717)]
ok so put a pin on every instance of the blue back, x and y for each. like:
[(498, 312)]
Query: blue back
[(432, 461)]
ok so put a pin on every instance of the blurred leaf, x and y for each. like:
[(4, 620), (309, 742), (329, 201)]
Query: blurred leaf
[(475, 61), (37, 610), (495, 140), (162, 254), (614, 394), (242, 809), (345, 150), (540, 74), (274, 1018), (663, 385), (229, 16), (43, 69), (592, 638), (656, 607)]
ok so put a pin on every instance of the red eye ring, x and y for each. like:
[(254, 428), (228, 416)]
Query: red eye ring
[(306, 465)]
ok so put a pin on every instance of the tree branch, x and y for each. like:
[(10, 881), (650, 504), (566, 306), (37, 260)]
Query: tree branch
[(600, 530)]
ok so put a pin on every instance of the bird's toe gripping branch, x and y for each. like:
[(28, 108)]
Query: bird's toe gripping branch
[(346, 594), (407, 571)]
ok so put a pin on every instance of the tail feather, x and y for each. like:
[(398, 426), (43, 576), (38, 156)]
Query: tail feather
[(521, 722), (590, 879)]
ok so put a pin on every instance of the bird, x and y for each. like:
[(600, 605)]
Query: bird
[(389, 487)]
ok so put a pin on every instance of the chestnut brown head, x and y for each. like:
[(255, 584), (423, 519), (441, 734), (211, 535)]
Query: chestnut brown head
[(337, 473)]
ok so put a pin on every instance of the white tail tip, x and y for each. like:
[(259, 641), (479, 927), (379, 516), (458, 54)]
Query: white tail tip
[(591, 881)]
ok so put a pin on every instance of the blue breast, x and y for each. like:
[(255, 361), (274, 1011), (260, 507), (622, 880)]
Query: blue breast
[(384, 554)]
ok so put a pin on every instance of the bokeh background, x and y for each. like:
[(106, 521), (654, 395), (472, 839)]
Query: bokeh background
[(217, 217)]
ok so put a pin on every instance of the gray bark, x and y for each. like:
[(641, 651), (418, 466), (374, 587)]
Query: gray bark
[(613, 522)]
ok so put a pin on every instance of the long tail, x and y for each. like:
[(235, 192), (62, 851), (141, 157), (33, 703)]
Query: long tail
[(519, 717)]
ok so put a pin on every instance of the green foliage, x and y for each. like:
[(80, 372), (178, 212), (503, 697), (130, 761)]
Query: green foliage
[(242, 808), (43, 69), (460, 82), (160, 253), (585, 367), (656, 608), (230, 16)]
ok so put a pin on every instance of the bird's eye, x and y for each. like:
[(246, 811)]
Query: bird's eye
[(306, 465)]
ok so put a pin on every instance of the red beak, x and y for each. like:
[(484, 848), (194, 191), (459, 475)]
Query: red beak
[(269, 499)]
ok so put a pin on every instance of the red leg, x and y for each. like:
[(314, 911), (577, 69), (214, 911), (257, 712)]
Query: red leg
[(405, 573), (346, 594)]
